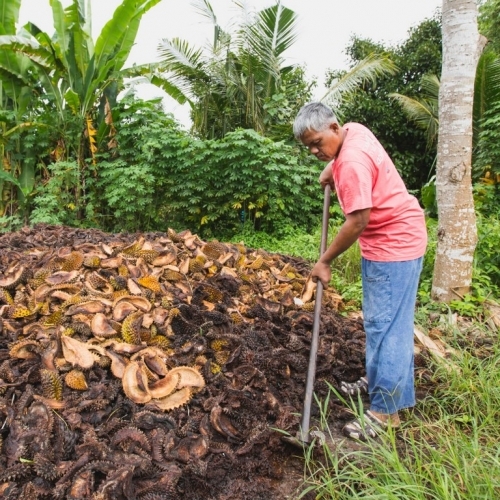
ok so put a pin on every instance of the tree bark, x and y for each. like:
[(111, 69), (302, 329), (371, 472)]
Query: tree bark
[(457, 231)]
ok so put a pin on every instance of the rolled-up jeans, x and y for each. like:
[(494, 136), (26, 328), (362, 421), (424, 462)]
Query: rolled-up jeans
[(389, 296)]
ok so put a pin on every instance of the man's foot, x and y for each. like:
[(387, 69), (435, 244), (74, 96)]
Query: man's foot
[(354, 388), (370, 425)]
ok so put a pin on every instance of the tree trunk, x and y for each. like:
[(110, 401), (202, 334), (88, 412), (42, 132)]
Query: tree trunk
[(457, 232)]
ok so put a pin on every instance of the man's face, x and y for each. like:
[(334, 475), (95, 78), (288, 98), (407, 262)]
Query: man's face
[(325, 145)]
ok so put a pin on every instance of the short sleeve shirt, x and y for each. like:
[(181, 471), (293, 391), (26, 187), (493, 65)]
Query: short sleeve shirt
[(365, 177)]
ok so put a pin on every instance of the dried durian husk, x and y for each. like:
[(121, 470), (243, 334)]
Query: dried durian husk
[(75, 379)]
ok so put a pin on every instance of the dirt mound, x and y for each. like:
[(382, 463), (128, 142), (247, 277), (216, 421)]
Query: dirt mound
[(156, 365)]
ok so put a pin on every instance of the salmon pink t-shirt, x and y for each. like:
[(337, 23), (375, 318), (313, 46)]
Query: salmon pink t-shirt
[(365, 177)]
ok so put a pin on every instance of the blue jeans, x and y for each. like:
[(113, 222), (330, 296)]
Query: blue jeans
[(389, 296)]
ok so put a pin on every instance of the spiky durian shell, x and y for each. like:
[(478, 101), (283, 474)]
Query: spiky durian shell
[(173, 236), (54, 319), (52, 386), (39, 278), (118, 282), (75, 379), (81, 328), (19, 311), (257, 263), (236, 318), (131, 328), (123, 270), (197, 264), (148, 255), (218, 344), (6, 297), (92, 262), (171, 275), (213, 249), (222, 356), (215, 368), (44, 467), (68, 332), (72, 262), (132, 249), (160, 341), (150, 282)]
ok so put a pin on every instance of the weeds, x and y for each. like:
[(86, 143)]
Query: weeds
[(447, 447)]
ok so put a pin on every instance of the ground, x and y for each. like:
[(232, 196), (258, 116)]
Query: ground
[(160, 366)]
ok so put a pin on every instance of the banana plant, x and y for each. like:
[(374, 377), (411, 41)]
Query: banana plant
[(67, 75), (17, 172), (76, 74)]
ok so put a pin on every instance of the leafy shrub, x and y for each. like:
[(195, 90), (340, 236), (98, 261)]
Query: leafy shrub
[(131, 187), (221, 184), (56, 203), (161, 177)]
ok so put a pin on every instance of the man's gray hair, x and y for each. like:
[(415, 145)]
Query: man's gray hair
[(313, 116)]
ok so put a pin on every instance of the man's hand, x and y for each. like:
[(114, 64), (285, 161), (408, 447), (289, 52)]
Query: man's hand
[(326, 177), (322, 271)]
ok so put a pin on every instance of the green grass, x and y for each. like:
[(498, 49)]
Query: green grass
[(446, 449)]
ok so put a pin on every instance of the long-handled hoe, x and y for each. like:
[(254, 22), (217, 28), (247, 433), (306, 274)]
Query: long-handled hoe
[(303, 436)]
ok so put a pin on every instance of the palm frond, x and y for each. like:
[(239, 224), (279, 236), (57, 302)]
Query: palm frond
[(423, 112), (205, 9), (269, 36), (486, 85), (366, 71), (430, 86), (178, 53)]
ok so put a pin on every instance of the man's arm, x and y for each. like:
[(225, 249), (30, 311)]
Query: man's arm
[(350, 231)]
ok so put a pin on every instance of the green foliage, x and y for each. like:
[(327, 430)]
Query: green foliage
[(446, 449), (242, 80), (130, 190), (428, 197), (243, 177), (420, 54), (160, 177), (55, 203), (487, 160), (489, 23)]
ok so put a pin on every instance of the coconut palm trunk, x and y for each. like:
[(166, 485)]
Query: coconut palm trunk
[(457, 232)]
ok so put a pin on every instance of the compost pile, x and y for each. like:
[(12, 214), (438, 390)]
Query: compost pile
[(156, 365)]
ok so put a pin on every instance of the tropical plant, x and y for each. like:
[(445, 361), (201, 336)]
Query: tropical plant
[(423, 111), (364, 73), (69, 75), (238, 82), (17, 172), (215, 186)]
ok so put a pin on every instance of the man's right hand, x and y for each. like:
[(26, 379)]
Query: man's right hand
[(326, 177), (323, 272)]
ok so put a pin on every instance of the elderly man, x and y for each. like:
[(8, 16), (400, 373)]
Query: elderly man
[(390, 227)]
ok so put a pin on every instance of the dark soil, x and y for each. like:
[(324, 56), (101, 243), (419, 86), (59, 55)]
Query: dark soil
[(233, 316)]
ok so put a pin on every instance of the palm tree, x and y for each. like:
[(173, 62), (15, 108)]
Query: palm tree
[(231, 84), (423, 111), (457, 222), (364, 72)]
